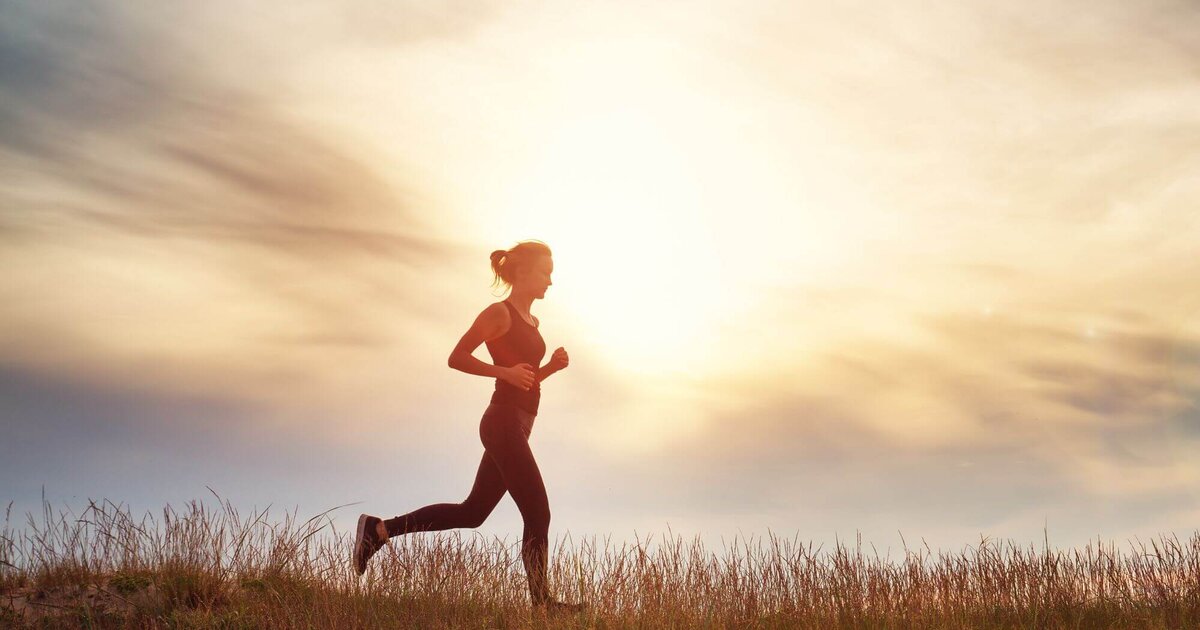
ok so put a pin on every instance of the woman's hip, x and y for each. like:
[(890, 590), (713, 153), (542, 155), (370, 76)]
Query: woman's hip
[(501, 418)]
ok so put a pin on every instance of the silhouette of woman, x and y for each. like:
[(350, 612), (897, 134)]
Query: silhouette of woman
[(516, 345)]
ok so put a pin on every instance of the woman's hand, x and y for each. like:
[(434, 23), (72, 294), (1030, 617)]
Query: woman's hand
[(521, 375), (559, 359)]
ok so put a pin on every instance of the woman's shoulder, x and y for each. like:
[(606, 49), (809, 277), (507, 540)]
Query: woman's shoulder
[(493, 321), (498, 312)]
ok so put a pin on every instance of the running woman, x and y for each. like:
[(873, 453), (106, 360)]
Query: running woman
[(511, 333)]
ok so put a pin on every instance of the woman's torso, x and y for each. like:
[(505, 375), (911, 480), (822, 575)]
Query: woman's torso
[(522, 343)]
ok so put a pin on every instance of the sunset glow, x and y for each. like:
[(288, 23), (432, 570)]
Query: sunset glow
[(818, 268)]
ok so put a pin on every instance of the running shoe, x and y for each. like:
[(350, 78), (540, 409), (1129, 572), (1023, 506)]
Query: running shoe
[(366, 542)]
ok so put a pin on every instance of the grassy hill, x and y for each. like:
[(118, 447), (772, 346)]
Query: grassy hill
[(205, 567)]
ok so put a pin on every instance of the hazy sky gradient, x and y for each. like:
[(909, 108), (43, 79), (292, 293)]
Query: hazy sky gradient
[(927, 268)]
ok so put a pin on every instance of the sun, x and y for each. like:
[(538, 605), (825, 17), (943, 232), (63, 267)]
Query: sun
[(637, 260), (665, 214)]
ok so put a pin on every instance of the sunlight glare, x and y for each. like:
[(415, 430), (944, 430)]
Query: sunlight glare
[(660, 242)]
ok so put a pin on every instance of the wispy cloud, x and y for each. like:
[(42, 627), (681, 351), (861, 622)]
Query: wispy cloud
[(152, 200)]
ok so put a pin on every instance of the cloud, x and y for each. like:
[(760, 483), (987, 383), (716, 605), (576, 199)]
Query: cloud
[(192, 212), (81, 439), (1010, 426), (65, 71)]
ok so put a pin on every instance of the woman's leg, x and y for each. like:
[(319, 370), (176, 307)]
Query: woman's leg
[(486, 492), (507, 441)]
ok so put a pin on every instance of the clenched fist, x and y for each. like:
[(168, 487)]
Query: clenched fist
[(559, 359), (520, 375)]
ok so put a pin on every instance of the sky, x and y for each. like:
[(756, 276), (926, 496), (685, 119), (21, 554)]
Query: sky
[(910, 271)]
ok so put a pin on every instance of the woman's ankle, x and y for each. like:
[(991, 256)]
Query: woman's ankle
[(381, 531)]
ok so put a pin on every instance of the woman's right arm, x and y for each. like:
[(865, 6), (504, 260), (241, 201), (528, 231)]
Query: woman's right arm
[(490, 324)]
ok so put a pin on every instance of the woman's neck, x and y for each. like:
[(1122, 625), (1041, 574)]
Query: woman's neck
[(523, 303)]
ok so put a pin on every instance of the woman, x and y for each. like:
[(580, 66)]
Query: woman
[(516, 345)]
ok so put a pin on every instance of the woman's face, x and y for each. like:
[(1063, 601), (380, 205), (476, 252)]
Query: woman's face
[(535, 278)]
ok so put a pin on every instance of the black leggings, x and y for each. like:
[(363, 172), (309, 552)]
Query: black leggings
[(507, 465)]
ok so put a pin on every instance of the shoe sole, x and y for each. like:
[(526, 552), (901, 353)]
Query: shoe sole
[(358, 543)]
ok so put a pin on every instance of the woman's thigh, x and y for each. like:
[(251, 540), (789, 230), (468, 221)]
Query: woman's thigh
[(505, 436), (489, 486)]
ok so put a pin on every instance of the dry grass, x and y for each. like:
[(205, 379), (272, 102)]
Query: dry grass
[(205, 567)]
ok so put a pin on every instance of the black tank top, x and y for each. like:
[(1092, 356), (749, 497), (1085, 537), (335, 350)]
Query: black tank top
[(521, 344)]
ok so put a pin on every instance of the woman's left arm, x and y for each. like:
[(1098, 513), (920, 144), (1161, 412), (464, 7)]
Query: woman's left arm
[(558, 361)]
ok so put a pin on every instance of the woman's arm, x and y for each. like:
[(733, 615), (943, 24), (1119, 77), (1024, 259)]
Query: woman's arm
[(545, 371), (558, 361), (490, 323)]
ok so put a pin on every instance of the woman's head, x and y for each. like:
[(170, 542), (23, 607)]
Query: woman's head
[(524, 268)]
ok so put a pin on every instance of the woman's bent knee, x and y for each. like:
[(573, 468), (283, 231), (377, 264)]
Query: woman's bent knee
[(473, 516)]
